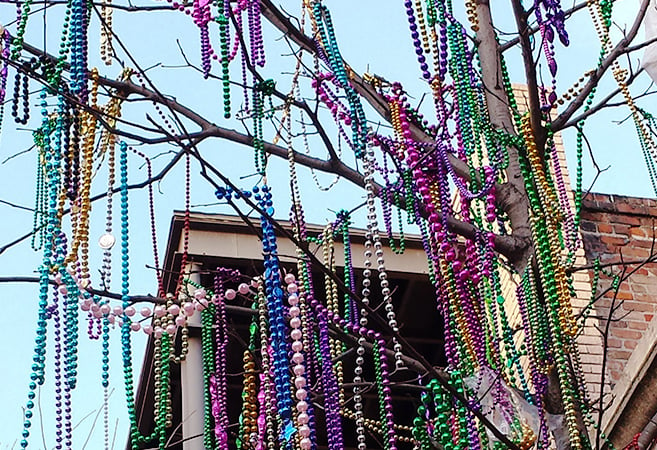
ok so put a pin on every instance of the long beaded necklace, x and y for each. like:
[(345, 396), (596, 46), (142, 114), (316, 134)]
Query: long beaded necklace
[(37, 376), (552, 280), (106, 49), (224, 34), (23, 12), (161, 343), (25, 95), (322, 18), (211, 437), (297, 363), (267, 421), (261, 91), (298, 299), (249, 424), (221, 342), (78, 71), (274, 293), (4, 70)]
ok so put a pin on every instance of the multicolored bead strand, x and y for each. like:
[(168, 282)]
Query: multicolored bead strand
[(323, 20)]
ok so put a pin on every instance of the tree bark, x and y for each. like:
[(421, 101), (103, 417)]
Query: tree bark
[(511, 196)]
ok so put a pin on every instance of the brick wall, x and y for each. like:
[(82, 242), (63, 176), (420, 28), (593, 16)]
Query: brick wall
[(621, 229)]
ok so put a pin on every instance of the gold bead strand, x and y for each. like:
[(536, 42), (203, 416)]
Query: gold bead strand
[(471, 12), (88, 134), (422, 26), (269, 404), (249, 408), (106, 33), (332, 303)]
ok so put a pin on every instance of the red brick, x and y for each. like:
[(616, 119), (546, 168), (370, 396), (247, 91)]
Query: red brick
[(626, 334), (640, 288), (625, 207), (624, 295), (633, 325), (634, 252), (648, 279), (605, 228), (619, 354), (628, 220), (639, 305), (614, 240), (602, 304), (628, 314), (614, 343), (638, 232), (648, 317), (630, 344), (647, 243), (622, 229)]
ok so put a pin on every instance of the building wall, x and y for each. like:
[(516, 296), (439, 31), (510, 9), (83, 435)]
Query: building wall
[(619, 229), (620, 232)]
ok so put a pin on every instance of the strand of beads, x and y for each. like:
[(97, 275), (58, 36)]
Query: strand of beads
[(40, 218), (4, 69), (224, 35), (125, 328), (382, 380), (330, 286), (106, 49), (261, 91), (436, 413), (360, 349), (330, 387), (25, 97), (420, 46), (83, 200), (107, 240), (385, 404), (209, 380), (69, 289), (267, 397), (78, 32), (551, 281), (298, 367), (161, 342), (59, 419), (304, 285), (275, 294), (601, 16), (52, 158), (221, 342), (322, 18), (23, 13), (201, 16), (248, 436), (390, 197), (372, 238), (332, 303), (350, 308), (255, 34), (376, 427), (105, 383)]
